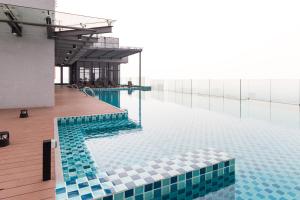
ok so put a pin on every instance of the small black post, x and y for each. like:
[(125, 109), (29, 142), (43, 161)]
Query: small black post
[(4, 138), (24, 113), (46, 160)]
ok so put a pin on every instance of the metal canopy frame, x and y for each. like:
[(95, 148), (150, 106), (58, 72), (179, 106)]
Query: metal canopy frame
[(76, 36)]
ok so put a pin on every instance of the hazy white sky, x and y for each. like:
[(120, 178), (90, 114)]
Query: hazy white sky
[(204, 38)]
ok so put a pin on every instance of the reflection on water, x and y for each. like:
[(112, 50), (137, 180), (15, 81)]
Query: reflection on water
[(111, 97), (277, 113)]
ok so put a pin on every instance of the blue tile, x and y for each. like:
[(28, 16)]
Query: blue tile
[(73, 194), (96, 187), (71, 182), (88, 196), (173, 179), (189, 175), (60, 190), (157, 184), (148, 187), (108, 191), (108, 198), (129, 193), (139, 197), (84, 184)]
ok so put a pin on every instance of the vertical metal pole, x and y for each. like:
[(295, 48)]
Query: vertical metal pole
[(91, 73), (299, 93), (240, 89), (209, 94), (240, 98), (191, 93), (140, 69), (77, 73), (223, 95), (140, 107), (270, 107), (61, 75), (223, 90), (270, 90), (191, 86), (71, 77), (46, 160), (209, 87)]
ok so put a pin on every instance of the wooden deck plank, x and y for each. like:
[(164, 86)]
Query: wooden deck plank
[(21, 161)]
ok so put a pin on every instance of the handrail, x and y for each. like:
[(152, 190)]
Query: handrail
[(90, 89)]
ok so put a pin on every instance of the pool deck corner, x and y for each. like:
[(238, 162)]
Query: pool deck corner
[(21, 161)]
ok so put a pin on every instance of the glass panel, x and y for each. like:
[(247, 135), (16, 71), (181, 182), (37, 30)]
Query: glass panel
[(35, 15), (232, 89), (200, 87), (86, 74), (81, 74), (66, 75), (57, 75), (257, 89), (96, 73), (277, 90), (217, 88), (285, 91)]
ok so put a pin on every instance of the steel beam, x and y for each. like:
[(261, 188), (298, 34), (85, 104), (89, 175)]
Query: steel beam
[(15, 27), (74, 40), (97, 30), (123, 60), (44, 25)]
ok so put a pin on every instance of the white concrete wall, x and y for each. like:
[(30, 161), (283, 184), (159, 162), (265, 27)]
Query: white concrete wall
[(26, 63)]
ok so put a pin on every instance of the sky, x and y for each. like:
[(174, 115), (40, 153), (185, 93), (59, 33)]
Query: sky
[(203, 38)]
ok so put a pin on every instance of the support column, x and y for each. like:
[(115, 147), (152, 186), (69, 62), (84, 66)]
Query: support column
[(61, 75), (140, 69)]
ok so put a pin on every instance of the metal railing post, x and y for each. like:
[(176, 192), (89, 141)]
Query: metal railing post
[(140, 69)]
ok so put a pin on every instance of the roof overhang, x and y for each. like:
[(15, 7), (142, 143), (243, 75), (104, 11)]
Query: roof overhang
[(97, 54), (110, 53)]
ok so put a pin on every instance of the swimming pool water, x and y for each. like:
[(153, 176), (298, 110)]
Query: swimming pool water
[(266, 146)]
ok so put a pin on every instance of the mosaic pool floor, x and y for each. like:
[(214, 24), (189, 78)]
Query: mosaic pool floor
[(267, 155)]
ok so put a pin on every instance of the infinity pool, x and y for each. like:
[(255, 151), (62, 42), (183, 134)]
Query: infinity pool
[(264, 138)]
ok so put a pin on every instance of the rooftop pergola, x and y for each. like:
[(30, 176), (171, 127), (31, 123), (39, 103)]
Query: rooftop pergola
[(76, 36)]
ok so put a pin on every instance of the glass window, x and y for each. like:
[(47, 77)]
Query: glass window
[(66, 75), (57, 75), (81, 75), (96, 73), (86, 74)]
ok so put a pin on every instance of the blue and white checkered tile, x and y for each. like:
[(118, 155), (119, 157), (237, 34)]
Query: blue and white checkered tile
[(138, 175), (91, 118), (121, 181), (75, 157)]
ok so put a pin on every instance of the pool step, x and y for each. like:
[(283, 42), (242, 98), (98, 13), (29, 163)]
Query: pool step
[(186, 176), (206, 170)]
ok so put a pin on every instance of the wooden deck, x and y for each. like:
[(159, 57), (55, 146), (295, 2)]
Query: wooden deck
[(21, 161)]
